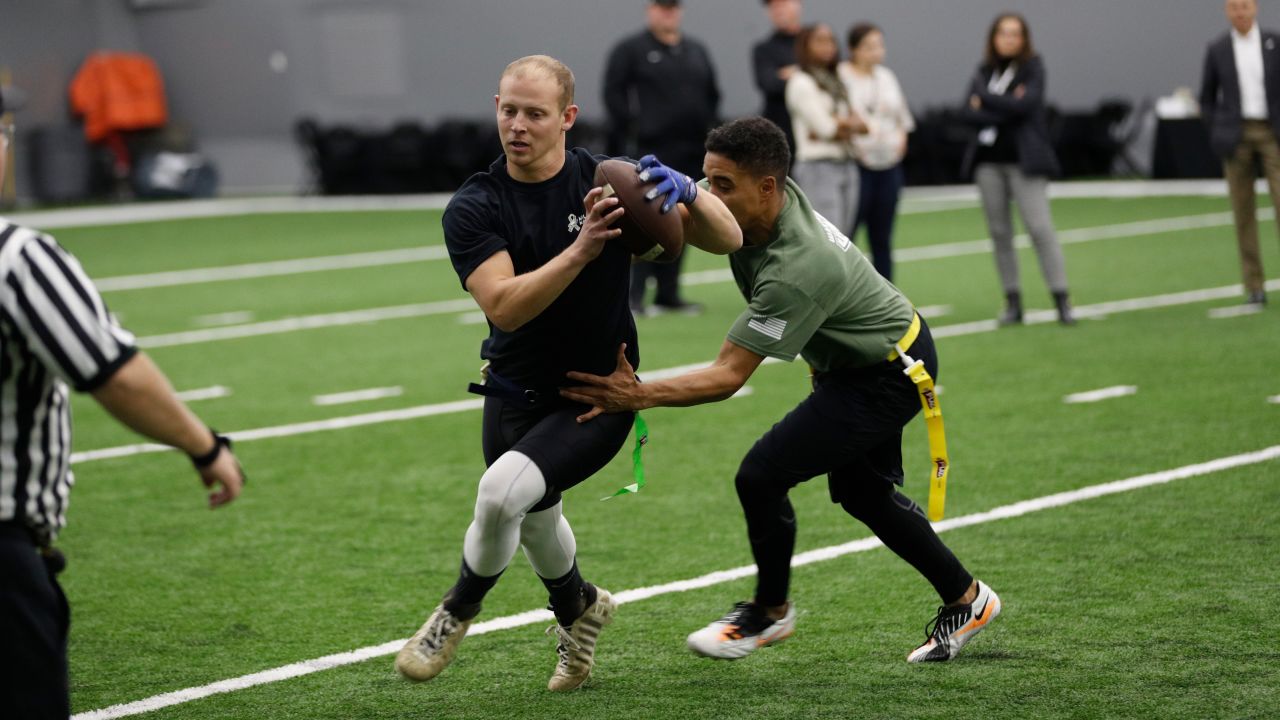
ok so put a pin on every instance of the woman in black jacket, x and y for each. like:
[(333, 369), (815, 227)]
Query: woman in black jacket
[(1012, 159)]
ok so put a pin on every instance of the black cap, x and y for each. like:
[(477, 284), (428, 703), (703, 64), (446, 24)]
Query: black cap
[(667, 3)]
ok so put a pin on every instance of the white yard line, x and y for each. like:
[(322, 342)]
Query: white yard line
[(934, 311), (955, 330), (438, 252), (272, 269), (354, 396), (531, 617), (1231, 311), (209, 393), (238, 317), (473, 318), (1100, 394), (1274, 399)]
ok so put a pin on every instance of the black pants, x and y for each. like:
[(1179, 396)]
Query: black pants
[(34, 619), (566, 451), (879, 191), (850, 428)]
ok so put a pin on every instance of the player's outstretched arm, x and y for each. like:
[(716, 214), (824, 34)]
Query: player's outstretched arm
[(510, 300), (140, 396), (708, 224), (621, 392)]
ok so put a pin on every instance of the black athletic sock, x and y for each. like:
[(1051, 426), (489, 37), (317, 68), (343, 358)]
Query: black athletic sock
[(569, 595), (463, 599), (771, 528), (901, 524)]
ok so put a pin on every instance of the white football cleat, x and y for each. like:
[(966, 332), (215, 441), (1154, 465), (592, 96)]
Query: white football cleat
[(576, 644), (431, 649), (955, 626), (744, 629)]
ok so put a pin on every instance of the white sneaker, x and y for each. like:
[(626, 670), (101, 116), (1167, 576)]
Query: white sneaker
[(955, 626), (741, 631), (431, 649), (576, 644)]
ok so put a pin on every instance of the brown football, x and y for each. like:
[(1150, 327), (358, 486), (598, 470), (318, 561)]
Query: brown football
[(649, 233)]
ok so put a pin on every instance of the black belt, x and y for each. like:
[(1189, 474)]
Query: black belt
[(499, 387), (12, 530)]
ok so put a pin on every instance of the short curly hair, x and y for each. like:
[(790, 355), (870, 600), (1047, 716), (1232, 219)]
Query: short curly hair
[(756, 144)]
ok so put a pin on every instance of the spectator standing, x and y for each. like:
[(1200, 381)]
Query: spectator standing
[(824, 124), (1012, 159), (661, 93), (1240, 102), (877, 97), (774, 60)]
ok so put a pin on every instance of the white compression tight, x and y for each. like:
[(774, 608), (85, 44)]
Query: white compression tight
[(508, 489)]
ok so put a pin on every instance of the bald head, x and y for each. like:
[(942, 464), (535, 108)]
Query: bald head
[(544, 66), (1242, 14)]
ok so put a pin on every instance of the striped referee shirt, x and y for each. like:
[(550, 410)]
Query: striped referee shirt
[(54, 330)]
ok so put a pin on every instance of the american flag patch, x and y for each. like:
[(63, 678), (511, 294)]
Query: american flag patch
[(772, 327)]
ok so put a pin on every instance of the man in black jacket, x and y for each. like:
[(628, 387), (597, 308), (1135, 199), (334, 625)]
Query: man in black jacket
[(774, 59), (1240, 102), (661, 92)]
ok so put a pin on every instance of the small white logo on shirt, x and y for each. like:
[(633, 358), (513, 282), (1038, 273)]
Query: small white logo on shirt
[(773, 327), (836, 237), (575, 222)]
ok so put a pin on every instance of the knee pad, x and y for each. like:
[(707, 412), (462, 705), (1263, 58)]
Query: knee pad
[(511, 485)]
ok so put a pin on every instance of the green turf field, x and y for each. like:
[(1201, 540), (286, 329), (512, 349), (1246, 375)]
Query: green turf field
[(1157, 602)]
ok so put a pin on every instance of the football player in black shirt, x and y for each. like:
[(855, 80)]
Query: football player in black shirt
[(529, 239)]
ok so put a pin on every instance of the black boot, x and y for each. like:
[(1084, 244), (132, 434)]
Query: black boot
[(1012, 314), (1063, 303)]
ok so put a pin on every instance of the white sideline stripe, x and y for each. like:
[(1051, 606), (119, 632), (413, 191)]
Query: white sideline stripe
[(307, 322), (934, 311), (955, 330), (1274, 399), (271, 269), (1100, 394), (1231, 311), (209, 393), (911, 197), (226, 318), (438, 252), (744, 391), (832, 552), (343, 398), (473, 318)]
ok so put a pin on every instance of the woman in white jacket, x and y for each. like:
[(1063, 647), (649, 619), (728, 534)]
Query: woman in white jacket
[(877, 97), (824, 124)]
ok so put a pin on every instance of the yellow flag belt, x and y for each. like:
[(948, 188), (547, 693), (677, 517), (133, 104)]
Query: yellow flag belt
[(914, 369)]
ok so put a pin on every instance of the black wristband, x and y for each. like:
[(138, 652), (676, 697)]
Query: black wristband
[(219, 442)]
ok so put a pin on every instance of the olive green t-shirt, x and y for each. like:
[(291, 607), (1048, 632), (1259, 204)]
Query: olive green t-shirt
[(811, 292)]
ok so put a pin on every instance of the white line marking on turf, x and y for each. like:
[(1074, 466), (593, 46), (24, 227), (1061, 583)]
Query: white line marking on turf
[(955, 330), (438, 252), (271, 269), (1231, 311), (744, 391), (226, 318), (473, 318), (353, 396), (832, 552), (209, 393), (1106, 393), (449, 307), (1274, 399), (934, 311)]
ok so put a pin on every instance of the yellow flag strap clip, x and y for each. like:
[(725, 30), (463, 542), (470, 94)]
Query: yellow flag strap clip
[(914, 369)]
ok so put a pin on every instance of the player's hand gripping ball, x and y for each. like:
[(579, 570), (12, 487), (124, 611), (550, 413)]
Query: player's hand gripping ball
[(649, 233)]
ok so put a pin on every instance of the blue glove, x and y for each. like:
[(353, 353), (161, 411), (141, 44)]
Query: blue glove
[(677, 186)]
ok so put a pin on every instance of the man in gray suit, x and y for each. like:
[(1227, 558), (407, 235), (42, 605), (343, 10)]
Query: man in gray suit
[(1240, 102)]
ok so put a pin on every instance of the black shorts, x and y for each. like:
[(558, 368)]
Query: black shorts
[(34, 619), (566, 451), (849, 427)]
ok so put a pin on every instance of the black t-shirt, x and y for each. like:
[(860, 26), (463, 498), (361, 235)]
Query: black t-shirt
[(534, 222)]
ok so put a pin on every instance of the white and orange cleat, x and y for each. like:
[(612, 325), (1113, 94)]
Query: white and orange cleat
[(955, 626), (743, 630)]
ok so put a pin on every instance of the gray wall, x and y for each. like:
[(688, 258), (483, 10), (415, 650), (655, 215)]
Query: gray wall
[(375, 61)]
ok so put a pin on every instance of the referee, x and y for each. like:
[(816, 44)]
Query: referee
[(55, 331)]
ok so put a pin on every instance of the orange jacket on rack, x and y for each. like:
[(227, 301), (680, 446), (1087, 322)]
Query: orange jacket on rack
[(118, 91)]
